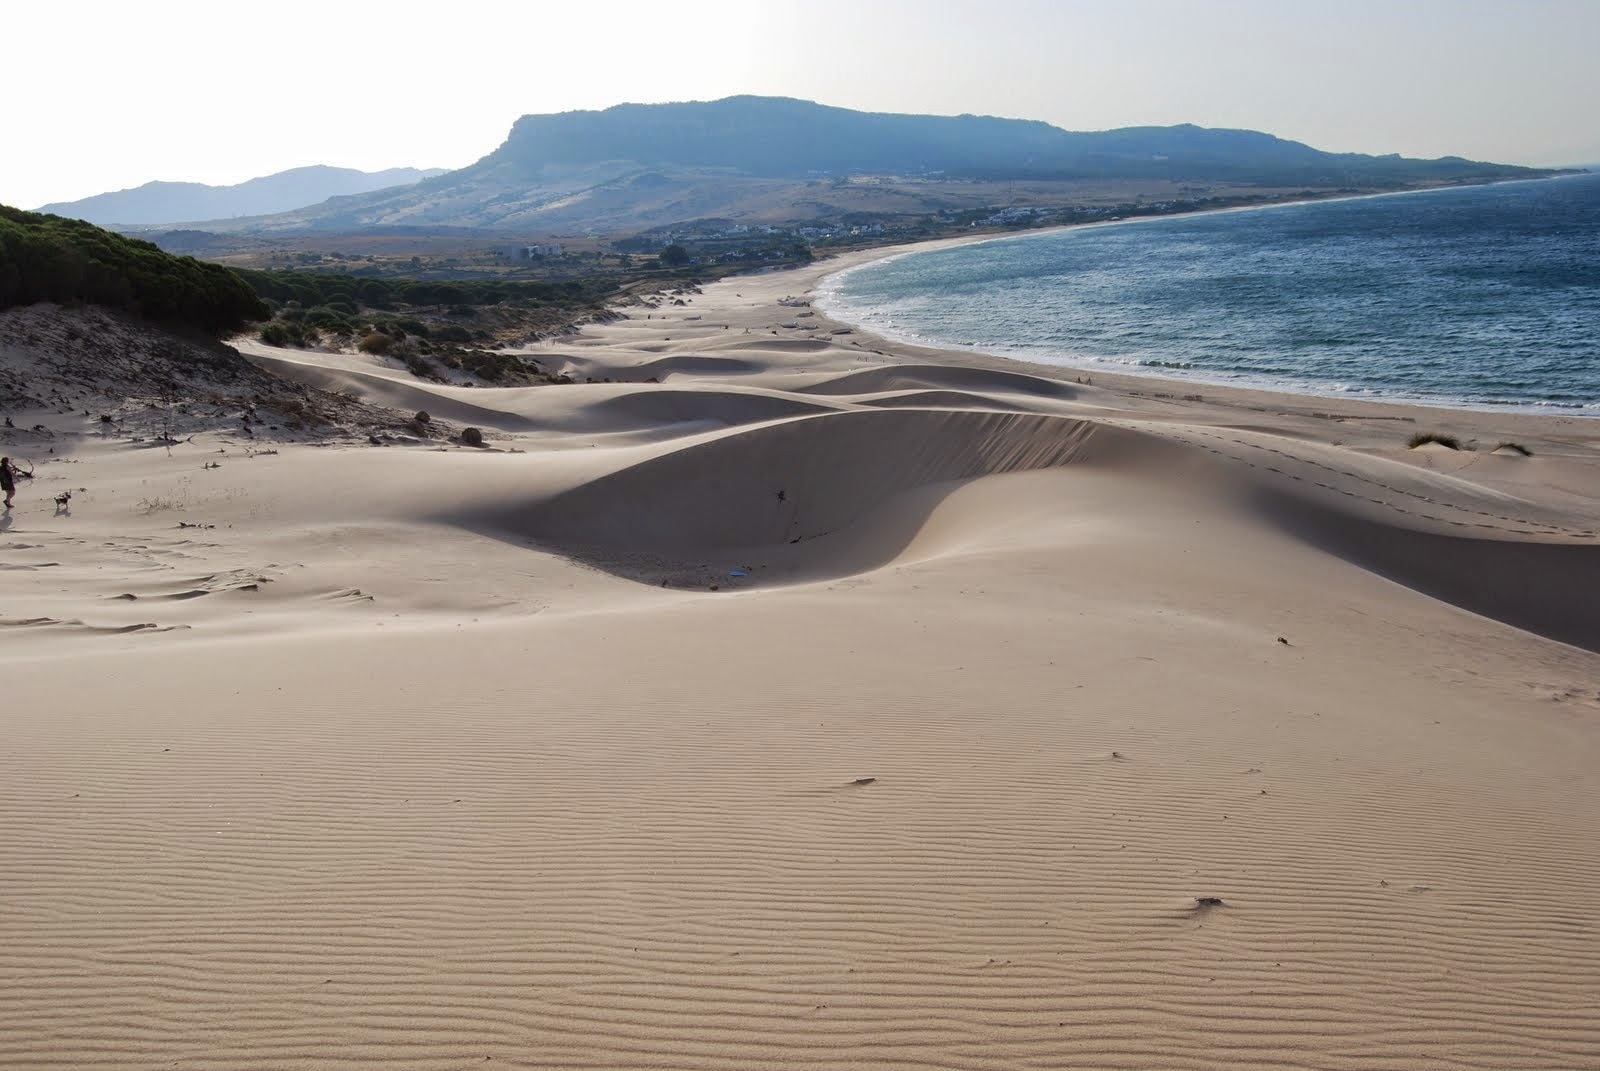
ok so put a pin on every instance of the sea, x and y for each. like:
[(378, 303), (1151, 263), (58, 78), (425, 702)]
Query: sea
[(1478, 296)]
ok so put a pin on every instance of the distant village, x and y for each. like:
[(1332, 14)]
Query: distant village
[(730, 245), (720, 242)]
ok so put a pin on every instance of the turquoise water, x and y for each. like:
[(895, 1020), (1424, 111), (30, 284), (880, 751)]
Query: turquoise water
[(1487, 296)]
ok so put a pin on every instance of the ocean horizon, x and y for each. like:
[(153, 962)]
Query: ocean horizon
[(1481, 297)]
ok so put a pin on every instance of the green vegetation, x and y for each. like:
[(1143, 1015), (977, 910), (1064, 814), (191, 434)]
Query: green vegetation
[(436, 328), (337, 295), (67, 261), (431, 327), (427, 347), (1422, 438), (283, 334), (427, 324)]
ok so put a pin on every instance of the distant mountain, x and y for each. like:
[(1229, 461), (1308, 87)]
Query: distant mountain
[(748, 157), (162, 203), (779, 137)]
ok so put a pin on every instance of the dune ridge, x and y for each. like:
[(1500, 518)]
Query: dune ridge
[(899, 377), (800, 478)]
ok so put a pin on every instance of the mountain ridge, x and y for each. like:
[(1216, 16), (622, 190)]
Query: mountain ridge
[(633, 166), (162, 203), (785, 137)]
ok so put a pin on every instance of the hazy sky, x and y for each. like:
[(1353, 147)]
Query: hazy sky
[(102, 96)]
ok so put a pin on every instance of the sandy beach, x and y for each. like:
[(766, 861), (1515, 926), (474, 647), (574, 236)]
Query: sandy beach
[(786, 697)]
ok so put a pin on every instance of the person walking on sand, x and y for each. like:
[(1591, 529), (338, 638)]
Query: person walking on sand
[(8, 479)]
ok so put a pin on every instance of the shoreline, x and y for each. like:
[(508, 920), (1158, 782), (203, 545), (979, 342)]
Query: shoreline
[(819, 292), (1137, 388)]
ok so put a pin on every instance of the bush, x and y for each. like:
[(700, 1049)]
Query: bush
[(491, 366), (422, 417), (421, 367), (281, 333), (472, 437), (452, 333), (327, 319), (1422, 438), (376, 343), (1516, 448), (274, 334)]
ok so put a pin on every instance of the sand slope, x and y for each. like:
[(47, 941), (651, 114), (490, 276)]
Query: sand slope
[(357, 756)]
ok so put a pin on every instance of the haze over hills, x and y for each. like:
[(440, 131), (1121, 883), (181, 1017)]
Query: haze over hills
[(762, 158), (161, 203)]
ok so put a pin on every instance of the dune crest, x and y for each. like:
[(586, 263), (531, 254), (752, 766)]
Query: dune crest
[(800, 478)]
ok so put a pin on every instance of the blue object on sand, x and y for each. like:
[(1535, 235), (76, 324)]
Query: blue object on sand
[(738, 572)]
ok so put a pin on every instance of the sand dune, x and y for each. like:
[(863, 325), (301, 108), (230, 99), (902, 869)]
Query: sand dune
[(394, 389), (815, 496), (940, 399), (686, 364), (799, 478), (900, 377), (728, 408), (1544, 587), (1047, 726), (795, 345)]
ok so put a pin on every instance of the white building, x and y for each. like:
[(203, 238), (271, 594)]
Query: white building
[(528, 252)]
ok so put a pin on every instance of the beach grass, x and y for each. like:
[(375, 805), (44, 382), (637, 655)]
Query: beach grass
[(1422, 438)]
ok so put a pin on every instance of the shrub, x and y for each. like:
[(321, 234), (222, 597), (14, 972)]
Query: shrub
[(288, 333), (452, 333), (421, 367), (472, 437), (489, 365), (274, 334), (1516, 448), (1422, 438), (327, 319), (422, 417), (376, 343)]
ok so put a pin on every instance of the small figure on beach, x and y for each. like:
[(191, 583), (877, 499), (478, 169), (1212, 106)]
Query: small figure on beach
[(8, 479)]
